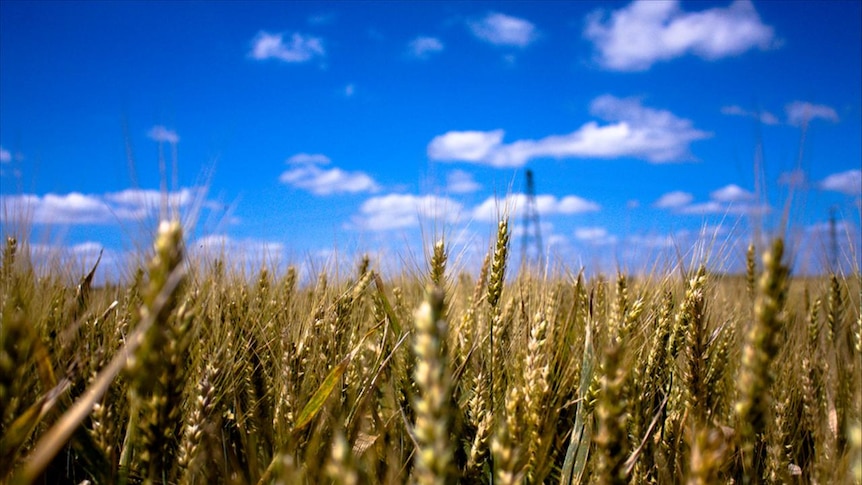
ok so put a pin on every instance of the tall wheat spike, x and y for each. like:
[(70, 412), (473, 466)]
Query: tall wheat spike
[(755, 379), (434, 457)]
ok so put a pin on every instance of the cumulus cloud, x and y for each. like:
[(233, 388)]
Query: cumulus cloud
[(764, 117), (246, 254), (161, 134), (218, 244), (299, 48), (849, 182), (500, 29), (151, 198), (490, 209), (731, 193), (77, 208), (597, 236), (652, 241), (308, 158), (398, 211), (467, 146), (461, 182), (801, 112), (730, 199), (87, 248), (673, 199), (81, 256), (423, 47), (645, 32), (5, 155), (306, 173), (657, 136)]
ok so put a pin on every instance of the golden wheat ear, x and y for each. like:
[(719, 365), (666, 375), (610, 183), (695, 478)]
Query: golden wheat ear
[(761, 346), (434, 463)]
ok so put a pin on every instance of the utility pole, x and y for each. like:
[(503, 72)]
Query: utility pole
[(532, 237)]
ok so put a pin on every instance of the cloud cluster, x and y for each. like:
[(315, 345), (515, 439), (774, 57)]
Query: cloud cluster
[(504, 30), (461, 182), (306, 173), (730, 199), (596, 236), (163, 135), (798, 113), (849, 182), (731, 193), (513, 205), (77, 208), (398, 211), (802, 112), (219, 244), (645, 32), (764, 117), (299, 48), (5, 155), (81, 256), (633, 130), (673, 200), (423, 47)]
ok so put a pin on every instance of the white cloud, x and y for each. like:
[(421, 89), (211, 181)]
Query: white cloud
[(349, 90), (801, 112), (500, 29), (80, 258), (5, 155), (718, 207), (546, 205), (461, 182), (309, 158), (657, 136), (245, 254), (398, 211), (161, 134), (77, 208), (652, 241), (710, 207), (468, 146), (765, 117), (423, 47), (87, 248), (730, 199), (518, 229), (572, 204), (594, 235), (731, 193), (645, 32), (151, 198), (673, 200), (849, 182), (215, 244), (299, 48), (308, 175)]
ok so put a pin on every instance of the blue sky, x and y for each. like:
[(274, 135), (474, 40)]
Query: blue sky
[(297, 130)]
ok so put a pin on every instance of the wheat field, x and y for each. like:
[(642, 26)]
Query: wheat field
[(196, 373)]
